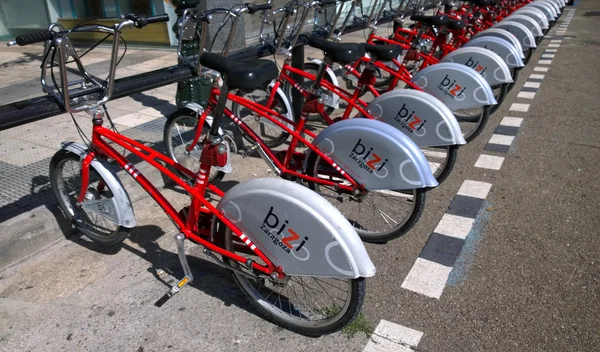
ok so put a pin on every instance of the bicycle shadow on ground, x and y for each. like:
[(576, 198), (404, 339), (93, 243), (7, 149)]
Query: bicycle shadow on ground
[(209, 277)]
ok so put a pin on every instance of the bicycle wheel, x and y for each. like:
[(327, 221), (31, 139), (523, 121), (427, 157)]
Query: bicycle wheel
[(312, 306), (377, 216), (515, 76), (500, 93), (269, 132), (65, 179), (178, 134), (472, 121), (441, 160)]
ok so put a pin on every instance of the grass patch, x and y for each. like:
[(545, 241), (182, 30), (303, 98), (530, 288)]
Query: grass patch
[(360, 324)]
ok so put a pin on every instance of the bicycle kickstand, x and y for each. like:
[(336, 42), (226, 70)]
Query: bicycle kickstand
[(179, 239)]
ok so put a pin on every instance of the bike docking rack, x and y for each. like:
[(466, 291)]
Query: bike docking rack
[(45, 106)]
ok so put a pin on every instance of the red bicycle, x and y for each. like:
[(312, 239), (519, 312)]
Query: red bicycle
[(297, 259)]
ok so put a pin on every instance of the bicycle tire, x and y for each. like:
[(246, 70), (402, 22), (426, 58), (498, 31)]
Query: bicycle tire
[(444, 172), (357, 294), (277, 140), (481, 123), (167, 140), (515, 77), (500, 98), (69, 211), (380, 236)]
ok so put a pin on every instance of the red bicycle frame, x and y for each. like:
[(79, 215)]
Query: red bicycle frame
[(199, 205)]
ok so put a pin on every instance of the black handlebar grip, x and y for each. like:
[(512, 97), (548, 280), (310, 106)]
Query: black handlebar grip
[(328, 2), (253, 8), (31, 38), (159, 18)]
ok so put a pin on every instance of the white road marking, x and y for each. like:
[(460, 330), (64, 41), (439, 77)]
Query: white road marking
[(519, 107), (454, 226), (511, 121), (536, 76), (389, 337), (532, 84), (501, 139), (427, 278), (551, 50), (433, 154), (489, 162), (545, 62), (540, 69), (475, 189), (526, 95), (557, 41), (553, 45)]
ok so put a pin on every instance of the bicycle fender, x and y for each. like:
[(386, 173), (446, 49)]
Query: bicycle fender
[(335, 99), (376, 154), (504, 49), (553, 6), (488, 64), (457, 86), (419, 115), (546, 8), (121, 201), (296, 229), (536, 14), (522, 33), (502, 34), (528, 22)]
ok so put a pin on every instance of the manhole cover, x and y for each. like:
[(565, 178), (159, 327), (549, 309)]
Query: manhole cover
[(592, 13)]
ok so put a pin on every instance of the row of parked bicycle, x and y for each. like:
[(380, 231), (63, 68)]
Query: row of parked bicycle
[(294, 243)]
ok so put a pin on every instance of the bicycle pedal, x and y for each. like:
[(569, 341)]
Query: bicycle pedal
[(172, 292)]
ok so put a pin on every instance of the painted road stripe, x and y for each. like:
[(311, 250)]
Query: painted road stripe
[(454, 226), (427, 278), (389, 337), (501, 139), (506, 130), (532, 84), (540, 69), (536, 76), (475, 189), (545, 62), (526, 95), (519, 107), (556, 41), (553, 45), (561, 32), (489, 162), (511, 121), (430, 272), (550, 51)]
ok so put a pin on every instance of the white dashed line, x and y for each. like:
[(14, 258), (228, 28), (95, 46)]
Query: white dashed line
[(454, 226), (536, 76), (557, 41), (545, 62), (389, 337), (532, 84), (475, 189), (551, 50), (553, 45), (526, 95), (511, 121), (501, 139), (540, 69), (519, 107), (489, 162), (548, 56), (427, 278)]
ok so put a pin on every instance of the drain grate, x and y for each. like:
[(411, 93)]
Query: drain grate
[(592, 13)]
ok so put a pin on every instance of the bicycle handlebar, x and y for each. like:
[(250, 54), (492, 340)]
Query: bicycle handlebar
[(32, 38), (253, 8)]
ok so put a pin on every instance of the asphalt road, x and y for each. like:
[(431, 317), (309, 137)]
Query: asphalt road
[(526, 280)]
